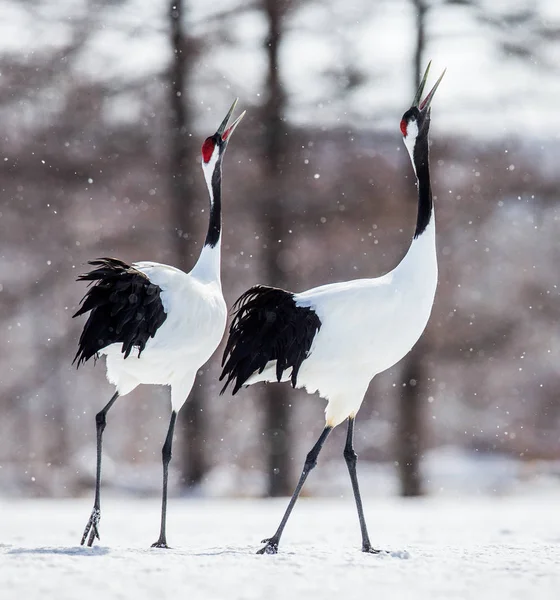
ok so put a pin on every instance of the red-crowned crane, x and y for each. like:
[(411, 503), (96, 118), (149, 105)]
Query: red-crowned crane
[(155, 323), (335, 338)]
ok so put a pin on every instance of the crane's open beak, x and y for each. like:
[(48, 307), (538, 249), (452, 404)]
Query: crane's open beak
[(223, 130), (425, 104)]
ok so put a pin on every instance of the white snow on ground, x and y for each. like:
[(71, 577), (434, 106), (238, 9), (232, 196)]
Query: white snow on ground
[(483, 548)]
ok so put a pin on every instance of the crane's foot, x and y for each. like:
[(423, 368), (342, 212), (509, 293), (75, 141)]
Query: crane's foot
[(270, 548), (160, 544), (370, 550), (92, 527)]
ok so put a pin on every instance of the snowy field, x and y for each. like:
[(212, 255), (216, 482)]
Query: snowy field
[(484, 548)]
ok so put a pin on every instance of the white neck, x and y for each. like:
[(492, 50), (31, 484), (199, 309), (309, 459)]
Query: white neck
[(422, 252), (207, 268), (421, 256)]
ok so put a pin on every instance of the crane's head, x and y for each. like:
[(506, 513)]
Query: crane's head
[(415, 122), (215, 145)]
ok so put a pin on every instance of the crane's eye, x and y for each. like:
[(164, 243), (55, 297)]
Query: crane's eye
[(208, 149), (404, 126)]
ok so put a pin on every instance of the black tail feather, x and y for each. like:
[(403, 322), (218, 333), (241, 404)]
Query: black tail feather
[(267, 326), (124, 305)]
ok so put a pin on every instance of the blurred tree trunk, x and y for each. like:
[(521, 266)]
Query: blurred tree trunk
[(410, 429), (276, 401), (191, 423), (59, 451)]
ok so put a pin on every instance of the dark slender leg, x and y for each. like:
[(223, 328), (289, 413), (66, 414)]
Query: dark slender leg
[(166, 458), (310, 463), (351, 459), (93, 523)]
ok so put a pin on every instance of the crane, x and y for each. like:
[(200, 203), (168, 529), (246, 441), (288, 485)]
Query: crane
[(335, 338), (155, 323)]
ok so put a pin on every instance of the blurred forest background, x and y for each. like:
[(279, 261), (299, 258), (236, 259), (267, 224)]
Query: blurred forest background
[(103, 107)]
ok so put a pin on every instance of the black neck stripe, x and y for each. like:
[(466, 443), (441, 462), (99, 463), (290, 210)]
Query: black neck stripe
[(215, 221), (422, 164)]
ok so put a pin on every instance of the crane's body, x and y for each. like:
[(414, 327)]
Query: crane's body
[(335, 338), (386, 318), (157, 324), (195, 321)]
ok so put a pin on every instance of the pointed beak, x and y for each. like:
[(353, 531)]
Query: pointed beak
[(425, 104), (223, 130)]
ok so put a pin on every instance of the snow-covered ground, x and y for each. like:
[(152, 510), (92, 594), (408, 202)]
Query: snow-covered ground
[(444, 548)]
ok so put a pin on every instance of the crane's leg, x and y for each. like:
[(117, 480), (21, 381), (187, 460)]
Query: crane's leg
[(166, 458), (351, 459), (93, 523), (310, 463)]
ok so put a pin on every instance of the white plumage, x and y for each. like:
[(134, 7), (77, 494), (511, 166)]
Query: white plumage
[(367, 326), (335, 338), (196, 320), (157, 324)]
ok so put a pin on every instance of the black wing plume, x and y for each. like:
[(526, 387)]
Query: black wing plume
[(267, 326), (125, 307)]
